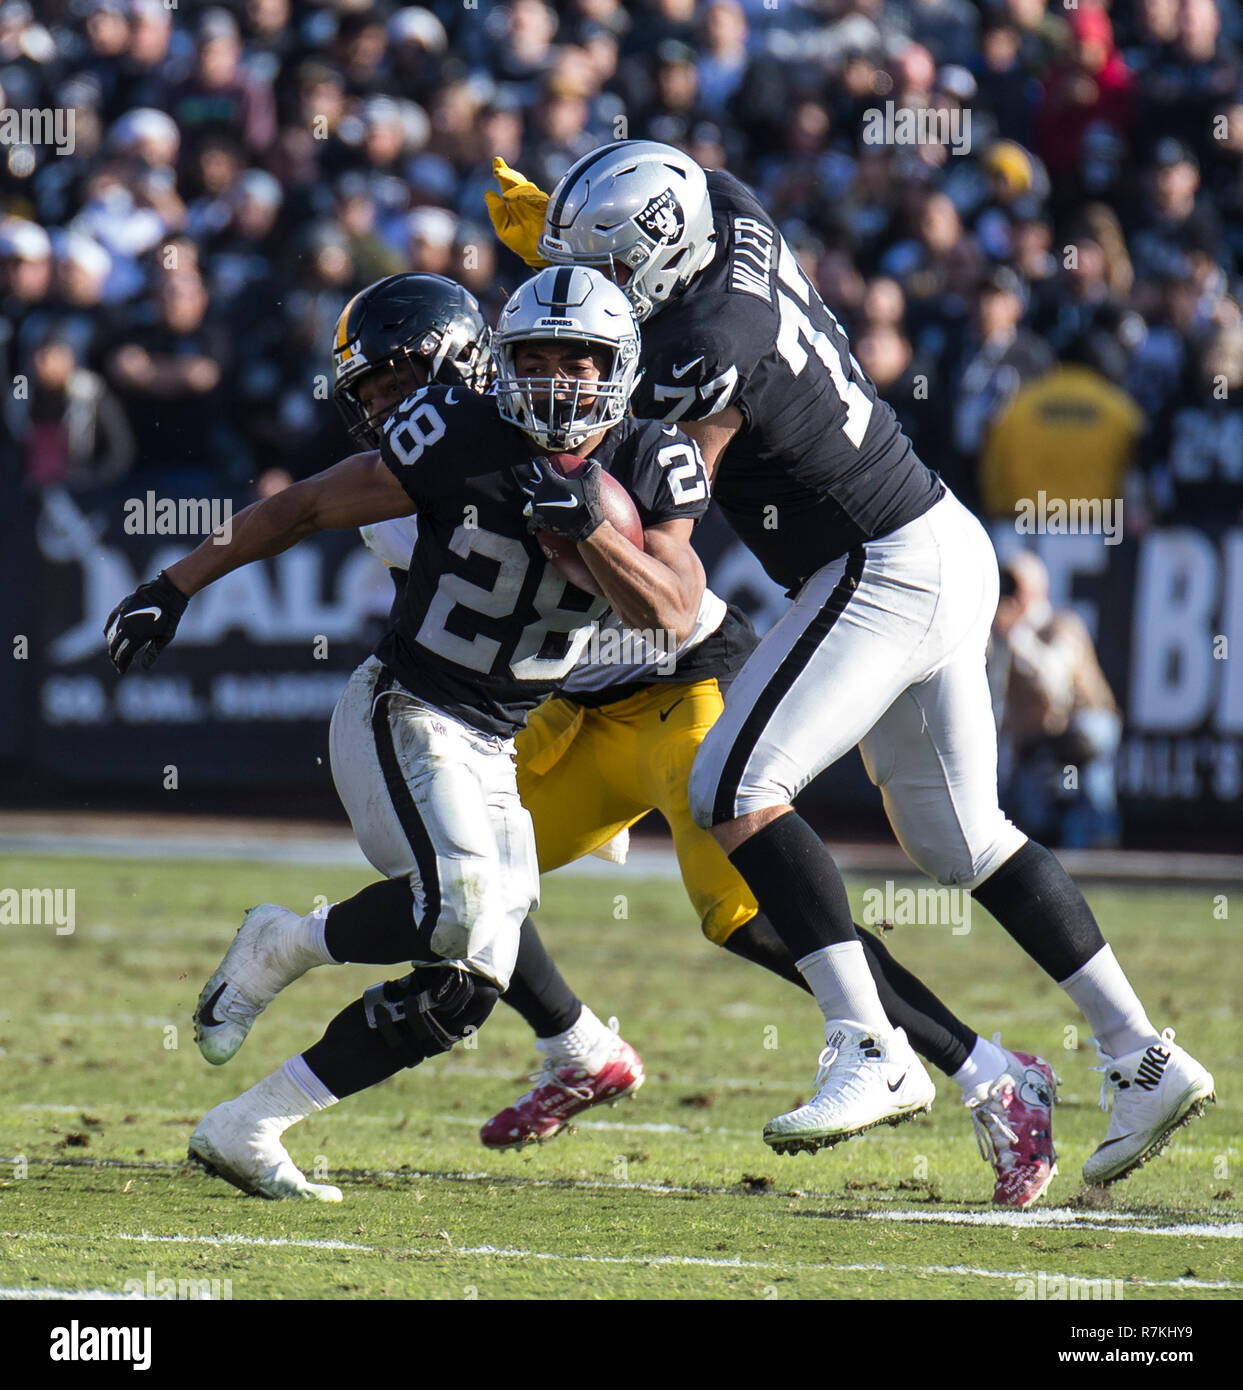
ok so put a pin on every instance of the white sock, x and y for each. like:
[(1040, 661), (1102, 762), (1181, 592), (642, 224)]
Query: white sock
[(1111, 1007), (587, 1044), (289, 1094), (308, 935), (842, 983), (984, 1066)]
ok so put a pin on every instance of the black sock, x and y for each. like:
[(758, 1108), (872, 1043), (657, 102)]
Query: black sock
[(757, 942), (796, 884), (537, 989), (351, 1056), (376, 926), (934, 1032), (939, 1036), (1037, 902)]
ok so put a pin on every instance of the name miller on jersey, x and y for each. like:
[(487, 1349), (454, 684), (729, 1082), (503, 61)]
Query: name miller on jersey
[(752, 258)]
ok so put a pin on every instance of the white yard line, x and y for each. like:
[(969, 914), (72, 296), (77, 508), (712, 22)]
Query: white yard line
[(1059, 1218), (85, 1295), (1050, 1218), (639, 1261)]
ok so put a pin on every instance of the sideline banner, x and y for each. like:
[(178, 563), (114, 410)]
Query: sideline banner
[(243, 696)]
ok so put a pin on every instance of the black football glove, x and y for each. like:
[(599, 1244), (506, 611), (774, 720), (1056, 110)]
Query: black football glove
[(143, 624), (569, 507)]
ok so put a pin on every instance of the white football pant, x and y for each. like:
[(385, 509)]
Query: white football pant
[(883, 648), (436, 802)]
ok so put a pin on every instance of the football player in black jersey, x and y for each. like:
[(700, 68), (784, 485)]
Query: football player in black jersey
[(617, 741), (421, 739), (894, 585)]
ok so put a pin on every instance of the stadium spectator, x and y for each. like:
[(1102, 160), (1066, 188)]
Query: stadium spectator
[(430, 233), (1189, 77), (674, 107), (417, 43), (355, 214), (722, 60), (141, 69), (1072, 433), (218, 95), (1193, 453), (1003, 86), (169, 376), (999, 356), (1058, 722), (522, 52), (658, 21), (558, 127), (1092, 285), (75, 302), (885, 354), (1091, 83), (1177, 221), (68, 429), (360, 52)]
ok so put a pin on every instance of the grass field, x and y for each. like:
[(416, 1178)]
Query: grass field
[(670, 1195)]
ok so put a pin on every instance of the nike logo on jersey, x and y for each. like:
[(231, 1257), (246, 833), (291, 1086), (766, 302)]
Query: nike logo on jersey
[(680, 372), (138, 612), (666, 713)]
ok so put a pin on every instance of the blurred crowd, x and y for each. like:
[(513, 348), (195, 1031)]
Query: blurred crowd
[(1049, 303), (1048, 295)]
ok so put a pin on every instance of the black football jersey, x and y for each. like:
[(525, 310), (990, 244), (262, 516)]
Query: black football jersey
[(820, 463), (487, 627)]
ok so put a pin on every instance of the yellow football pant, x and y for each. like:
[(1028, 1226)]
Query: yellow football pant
[(584, 774)]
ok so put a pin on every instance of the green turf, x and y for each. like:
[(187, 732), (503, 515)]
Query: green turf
[(670, 1195)]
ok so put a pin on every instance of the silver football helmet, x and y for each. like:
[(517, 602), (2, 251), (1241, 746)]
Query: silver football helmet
[(637, 204), (573, 304)]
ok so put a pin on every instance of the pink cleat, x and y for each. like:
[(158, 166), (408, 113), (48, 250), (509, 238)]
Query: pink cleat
[(561, 1092), (1013, 1118)]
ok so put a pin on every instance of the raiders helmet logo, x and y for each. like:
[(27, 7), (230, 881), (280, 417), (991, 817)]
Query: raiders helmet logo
[(662, 220)]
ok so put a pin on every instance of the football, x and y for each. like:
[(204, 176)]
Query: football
[(619, 512)]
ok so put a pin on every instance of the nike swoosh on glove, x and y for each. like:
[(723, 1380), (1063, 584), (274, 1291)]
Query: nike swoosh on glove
[(143, 623), (569, 507), (517, 213)]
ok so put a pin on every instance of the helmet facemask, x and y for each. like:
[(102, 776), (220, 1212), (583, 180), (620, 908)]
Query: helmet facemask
[(560, 412), (578, 309)]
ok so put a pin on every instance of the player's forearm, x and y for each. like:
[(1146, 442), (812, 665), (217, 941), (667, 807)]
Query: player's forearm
[(644, 592), (257, 532)]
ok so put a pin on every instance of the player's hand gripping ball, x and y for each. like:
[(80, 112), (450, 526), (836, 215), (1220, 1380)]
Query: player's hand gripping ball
[(570, 498)]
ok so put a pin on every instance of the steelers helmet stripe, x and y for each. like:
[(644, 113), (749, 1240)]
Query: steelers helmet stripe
[(343, 323)]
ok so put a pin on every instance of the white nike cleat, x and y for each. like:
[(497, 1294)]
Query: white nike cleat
[(1155, 1089), (265, 957), (864, 1080), (229, 1144)]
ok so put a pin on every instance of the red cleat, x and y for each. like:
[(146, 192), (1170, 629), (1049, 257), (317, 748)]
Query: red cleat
[(1013, 1119), (561, 1092)]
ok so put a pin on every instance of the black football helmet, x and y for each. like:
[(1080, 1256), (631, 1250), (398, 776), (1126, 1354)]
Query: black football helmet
[(416, 318)]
